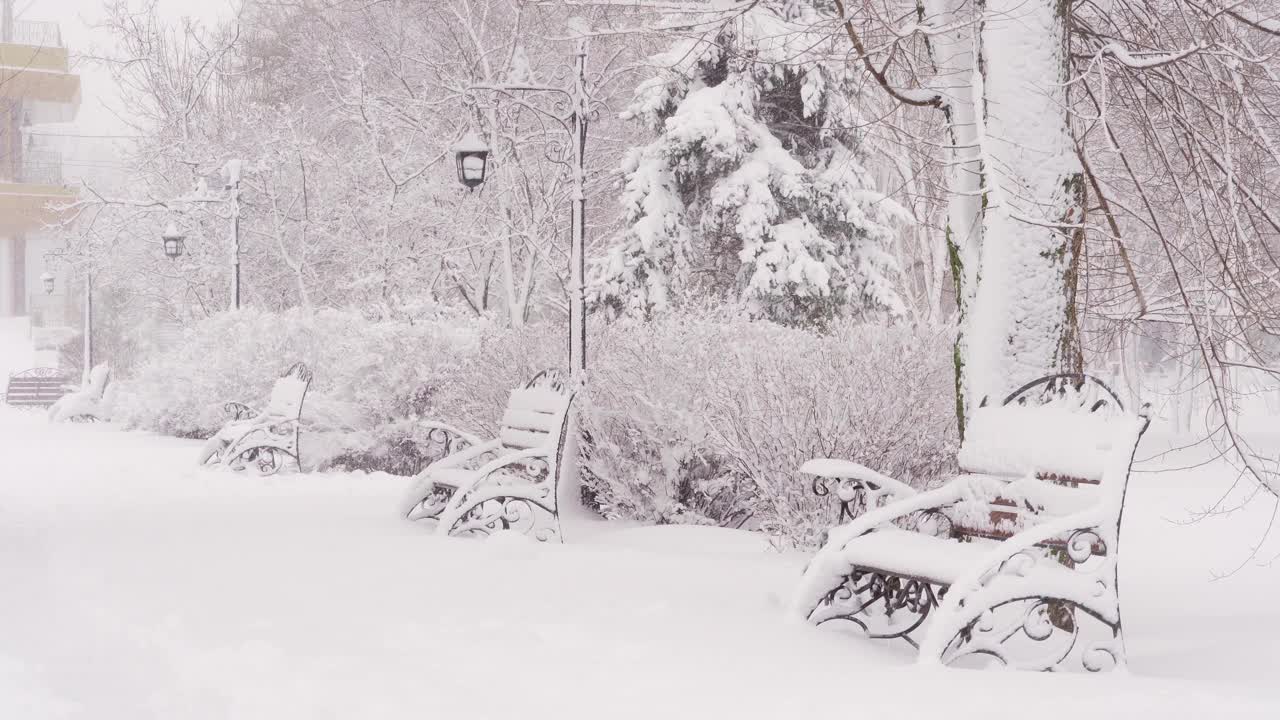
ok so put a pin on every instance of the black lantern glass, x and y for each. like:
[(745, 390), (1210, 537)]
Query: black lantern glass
[(473, 159), (173, 241), (47, 279)]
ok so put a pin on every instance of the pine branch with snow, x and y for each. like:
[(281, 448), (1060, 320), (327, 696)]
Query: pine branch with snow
[(752, 192)]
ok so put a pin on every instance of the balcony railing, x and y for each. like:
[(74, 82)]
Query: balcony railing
[(38, 34), (41, 167)]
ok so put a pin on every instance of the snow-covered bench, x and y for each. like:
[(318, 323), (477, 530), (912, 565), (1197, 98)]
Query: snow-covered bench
[(36, 387), (519, 481), (1015, 559), (263, 441), (85, 404)]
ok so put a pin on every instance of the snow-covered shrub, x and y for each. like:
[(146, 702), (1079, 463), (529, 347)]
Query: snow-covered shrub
[(692, 418), (707, 419), (53, 337), (365, 373), (472, 393)]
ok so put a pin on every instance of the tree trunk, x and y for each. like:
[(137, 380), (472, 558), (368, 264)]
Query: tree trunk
[(955, 57), (1015, 262)]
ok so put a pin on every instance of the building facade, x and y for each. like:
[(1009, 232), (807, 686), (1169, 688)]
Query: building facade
[(36, 87)]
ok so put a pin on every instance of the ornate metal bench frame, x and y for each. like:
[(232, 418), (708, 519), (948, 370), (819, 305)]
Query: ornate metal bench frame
[(86, 417), (505, 489), (999, 609), (42, 378), (268, 440)]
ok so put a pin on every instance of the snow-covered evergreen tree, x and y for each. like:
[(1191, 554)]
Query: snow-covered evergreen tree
[(752, 191)]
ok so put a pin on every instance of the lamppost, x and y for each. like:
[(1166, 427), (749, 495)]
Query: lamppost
[(472, 157), (88, 324), (173, 240), (47, 279)]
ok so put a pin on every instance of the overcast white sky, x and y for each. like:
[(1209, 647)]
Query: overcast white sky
[(86, 150)]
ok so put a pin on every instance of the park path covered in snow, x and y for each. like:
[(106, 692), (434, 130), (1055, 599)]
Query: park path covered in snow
[(138, 586)]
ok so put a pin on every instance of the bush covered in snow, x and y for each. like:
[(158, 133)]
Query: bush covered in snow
[(53, 337), (693, 418), (365, 372), (706, 420)]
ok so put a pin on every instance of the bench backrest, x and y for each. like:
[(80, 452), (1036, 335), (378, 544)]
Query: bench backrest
[(36, 387), (289, 392), (536, 413), (1068, 431), (99, 376)]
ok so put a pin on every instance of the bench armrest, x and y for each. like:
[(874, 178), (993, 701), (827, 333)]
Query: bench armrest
[(462, 457), (474, 483), (829, 565), (238, 410), (1079, 534), (851, 473), (930, 500), (433, 427)]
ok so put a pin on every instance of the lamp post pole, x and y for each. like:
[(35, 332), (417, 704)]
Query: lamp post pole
[(174, 240), (232, 172), (88, 324), (579, 102), (235, 243), (577, 250)]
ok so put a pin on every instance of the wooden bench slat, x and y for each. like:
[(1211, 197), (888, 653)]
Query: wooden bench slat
[(523, 439), (526, 419)]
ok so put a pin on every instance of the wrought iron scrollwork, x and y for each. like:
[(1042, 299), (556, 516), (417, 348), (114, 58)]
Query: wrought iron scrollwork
[(850, 493), (239, 411), (1083, 544), (40, 372), (264, 450), (299, 371), (1042, 631), (448, 442), (1039, 634), (521, 514), (856, 496), (1073, 390), (883, 605)]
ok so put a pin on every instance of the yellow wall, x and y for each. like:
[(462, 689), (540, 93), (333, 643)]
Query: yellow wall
[(35, 58), (24, 208), (37, 73)]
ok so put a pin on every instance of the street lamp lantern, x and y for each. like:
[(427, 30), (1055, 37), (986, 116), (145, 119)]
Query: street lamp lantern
[(47, 279), (473, 159), (173, 241)]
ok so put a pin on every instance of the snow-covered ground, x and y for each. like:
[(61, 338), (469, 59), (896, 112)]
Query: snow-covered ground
[(137, 586)]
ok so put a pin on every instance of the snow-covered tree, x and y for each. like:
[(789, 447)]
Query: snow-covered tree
[(753, 191)]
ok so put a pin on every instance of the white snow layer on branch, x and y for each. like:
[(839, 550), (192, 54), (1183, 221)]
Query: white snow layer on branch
[(1147, 60)]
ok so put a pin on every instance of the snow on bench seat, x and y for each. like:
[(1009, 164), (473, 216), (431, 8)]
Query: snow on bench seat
[(937, 560)]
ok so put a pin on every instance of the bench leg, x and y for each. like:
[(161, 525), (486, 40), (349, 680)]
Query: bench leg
[(1030, 613), (484, 515), (261, 460), (264, 450), (1038, 633), (427, 499), (882, 605), (518, 497)]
